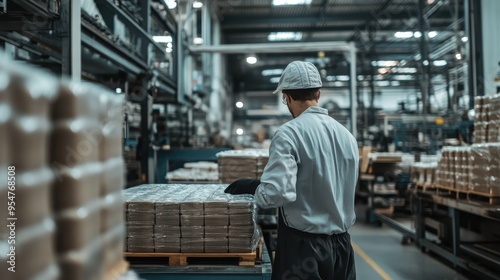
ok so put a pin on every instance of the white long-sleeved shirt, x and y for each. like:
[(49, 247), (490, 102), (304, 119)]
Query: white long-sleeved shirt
[(312, 174)]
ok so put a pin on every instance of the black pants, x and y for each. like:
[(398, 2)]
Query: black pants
[(301, 255)]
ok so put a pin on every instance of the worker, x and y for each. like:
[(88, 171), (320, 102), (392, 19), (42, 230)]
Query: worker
[(311, 177)]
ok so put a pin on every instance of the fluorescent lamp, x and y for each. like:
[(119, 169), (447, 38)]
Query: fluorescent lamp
[(395, 83), (338, 84), (343, 78), (385, 63), (169, 45), (251, 60), (171, 4), (274, 80), (239, 104), (291, 2), (383, 83), (284, 36), (425, 62), (465, 39), (330, 78), (198, 41), (404, 70), (162, 39), (168, 50), (417, 34), (458, 56), (197, 4), (439, 62), (403, 34), (239, 131), (402, 77), (272, 72), (118, 90), (432, 34)]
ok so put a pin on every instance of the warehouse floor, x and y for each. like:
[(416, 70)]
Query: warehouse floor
[(380, 255)]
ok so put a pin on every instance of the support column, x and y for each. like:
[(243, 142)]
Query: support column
[(71, 16), (490, 22), (424, 58), (353, 95)]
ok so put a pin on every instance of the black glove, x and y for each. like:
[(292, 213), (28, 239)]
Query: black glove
[(243, 186)]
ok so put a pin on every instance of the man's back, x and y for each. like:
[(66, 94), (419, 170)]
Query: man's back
[(327, 167)]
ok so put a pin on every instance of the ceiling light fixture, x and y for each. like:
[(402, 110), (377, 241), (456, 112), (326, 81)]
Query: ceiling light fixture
[(239, 104), (343, 78), (162, 39), (465, 39), (171, 4), (425, 62), (197, 4), (239, 131), (417, 34), (284, 36), (385, 63), (251, 59), (272, 72), (458, 56), (274, 80), (403, 34), (439, 62), (432, 34), (198, 41), (291, 2)]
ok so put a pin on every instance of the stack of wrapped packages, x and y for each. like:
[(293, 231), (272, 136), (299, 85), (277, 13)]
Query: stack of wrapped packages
[(237, 164), (471, 169), (177, 218), (64, 142), (487, 119)]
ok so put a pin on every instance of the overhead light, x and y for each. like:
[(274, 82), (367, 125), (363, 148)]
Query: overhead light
[(439, 62), (379, 77), (274, 80), (417, 34), (465, 39), (239, 104), (162, 39), (430, 2), (425, 62), (361, 77), (458, 56), (198, 41), (168, 50), (403, 34), (330, 78), (291, 2), (432, 34), (344, 78), (169, 45), (239, 131), (385, 63), (197, 4), (418, 56), (272, 72), (395, 83), (284, 36), (404, 70), (171, 4), (118, 90), (383, 83), (338, 84), (402, 77), (251, 60)]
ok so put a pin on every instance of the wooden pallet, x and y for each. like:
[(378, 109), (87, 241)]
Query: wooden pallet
[(117, 271), (425, 186), (472, 196), (181, 259)]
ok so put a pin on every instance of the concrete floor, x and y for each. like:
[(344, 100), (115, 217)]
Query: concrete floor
[(380, 255)]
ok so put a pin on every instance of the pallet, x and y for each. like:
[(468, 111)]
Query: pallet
[(425, 186), (117, 271), (472, 196), (181, 259)]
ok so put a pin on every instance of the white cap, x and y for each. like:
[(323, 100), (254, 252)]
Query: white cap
[(299, 75)]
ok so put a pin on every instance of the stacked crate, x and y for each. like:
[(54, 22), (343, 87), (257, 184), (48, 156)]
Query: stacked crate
[(494, 119), (453, 168), (237, 164), (68, 212), (189, 219), (485, 169)]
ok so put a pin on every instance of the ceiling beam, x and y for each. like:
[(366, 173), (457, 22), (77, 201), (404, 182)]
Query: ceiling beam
[(275, 47)]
